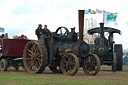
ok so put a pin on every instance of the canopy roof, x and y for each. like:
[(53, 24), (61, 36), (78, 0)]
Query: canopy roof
[(106, 29)]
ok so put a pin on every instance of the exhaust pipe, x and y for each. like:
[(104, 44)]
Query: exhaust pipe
[(102, 30), (81, 23)]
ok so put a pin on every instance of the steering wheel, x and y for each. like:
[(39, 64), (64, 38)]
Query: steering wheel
[(63, 32)]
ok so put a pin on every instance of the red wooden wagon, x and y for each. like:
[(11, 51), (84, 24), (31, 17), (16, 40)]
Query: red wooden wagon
[(11, 53)]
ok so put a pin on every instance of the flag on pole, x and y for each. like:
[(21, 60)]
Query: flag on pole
[(107, 16), (98, 11), (91, 11)]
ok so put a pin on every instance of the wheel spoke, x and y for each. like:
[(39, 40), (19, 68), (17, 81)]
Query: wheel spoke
[(65, 65), (28, 59), (66, 68), (38, 55), (29, 51), (31, 63), (36, 64), (37, 50), (93, 64), (30, 55), (33, 48), (38, 61), (65, 61), (72, 63)]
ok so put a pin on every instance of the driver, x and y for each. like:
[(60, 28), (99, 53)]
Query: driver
[(46, 30)]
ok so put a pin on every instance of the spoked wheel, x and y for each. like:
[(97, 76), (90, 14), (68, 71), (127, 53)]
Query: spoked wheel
[(3, 65), (69, 64), (62, 32), (114, 61), (35, 57), (91, 65)]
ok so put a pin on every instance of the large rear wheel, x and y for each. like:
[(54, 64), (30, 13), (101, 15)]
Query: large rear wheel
[(91, 65), (119, 53), (35, 57), (69, 64)]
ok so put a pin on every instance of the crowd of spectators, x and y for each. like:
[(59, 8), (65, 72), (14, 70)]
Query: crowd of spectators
[(5, 36), (20, 37)]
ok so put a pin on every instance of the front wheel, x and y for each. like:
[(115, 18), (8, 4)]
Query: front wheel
[(91, 65), (69, 64)]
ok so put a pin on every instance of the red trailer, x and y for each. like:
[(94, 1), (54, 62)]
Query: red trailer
[(11, 53)]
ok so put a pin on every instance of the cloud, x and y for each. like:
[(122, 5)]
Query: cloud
[(23, 16), (17, 16)]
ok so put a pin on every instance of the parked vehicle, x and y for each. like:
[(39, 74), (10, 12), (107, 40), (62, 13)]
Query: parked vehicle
[(106, 49)]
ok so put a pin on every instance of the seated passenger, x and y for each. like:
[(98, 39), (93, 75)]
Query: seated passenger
[(6, 36), (2, 37), (23, 37), (15, 37)]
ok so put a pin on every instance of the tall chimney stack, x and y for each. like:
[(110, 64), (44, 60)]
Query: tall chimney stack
[(81, 23), (102, 30)]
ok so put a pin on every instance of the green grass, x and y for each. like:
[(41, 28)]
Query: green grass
[(12, 77)]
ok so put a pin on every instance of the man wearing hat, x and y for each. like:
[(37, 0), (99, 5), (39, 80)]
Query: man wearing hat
[(39, 31)]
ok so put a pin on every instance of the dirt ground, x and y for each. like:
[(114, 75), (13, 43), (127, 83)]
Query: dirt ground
[(104, 70), (104, 77)]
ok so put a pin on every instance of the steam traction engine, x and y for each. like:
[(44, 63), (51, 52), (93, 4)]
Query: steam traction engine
[(61, 49), (108, 52)]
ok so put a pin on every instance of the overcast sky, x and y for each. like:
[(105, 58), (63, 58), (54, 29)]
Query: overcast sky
[(23, 16)]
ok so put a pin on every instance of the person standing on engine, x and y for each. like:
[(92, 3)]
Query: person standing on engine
[(39, 31), (46, 30)]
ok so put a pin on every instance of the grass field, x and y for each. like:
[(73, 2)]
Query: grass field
[(104, 77)]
